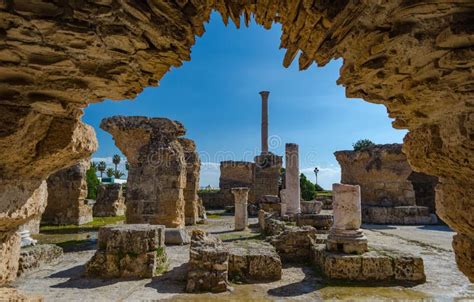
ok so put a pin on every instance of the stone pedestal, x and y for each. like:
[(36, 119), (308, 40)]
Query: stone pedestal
[(110, 201), (193, 167), (67, 192), (345, 235), (157, 168), (241, 202), (128, 250), (290, 196)]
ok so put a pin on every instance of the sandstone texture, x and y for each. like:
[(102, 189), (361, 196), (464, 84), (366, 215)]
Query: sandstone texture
[(321, 221), (266, 176), (240, 208), (57, 57), (128, 250), (311, 207), (193, 167), (208, 265), (389, 186), (235, 174), (271, 204), (253, 261), (33, 257), (214, 200), (293, 244), (110, 201), (157, 168), (67, 192), (9, 255), (370, 266), (176, 236)]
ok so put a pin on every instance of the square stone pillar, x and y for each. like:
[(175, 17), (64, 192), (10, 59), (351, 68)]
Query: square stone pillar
[(345, 235), (241, 201), (291, 196), (193, 167)]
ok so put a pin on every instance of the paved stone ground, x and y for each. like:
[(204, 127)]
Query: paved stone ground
[(63, 281)]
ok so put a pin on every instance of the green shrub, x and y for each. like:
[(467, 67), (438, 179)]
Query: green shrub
[(92, 182), (362, 144)]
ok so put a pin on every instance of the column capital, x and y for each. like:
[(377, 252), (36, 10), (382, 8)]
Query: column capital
[(264, 94)]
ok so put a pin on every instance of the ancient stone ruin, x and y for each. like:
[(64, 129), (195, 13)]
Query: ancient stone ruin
[(57, 57), (235, 174), (345, 255), (129, 250), (240, 208), (193, 167), (67, 193), (110, 201), (157, 168), (291, 195), (389, 185)]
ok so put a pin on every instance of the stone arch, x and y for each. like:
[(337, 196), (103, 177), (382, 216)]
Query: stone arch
[(57, 56)]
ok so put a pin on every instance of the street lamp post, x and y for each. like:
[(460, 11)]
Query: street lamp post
[(316, 170)]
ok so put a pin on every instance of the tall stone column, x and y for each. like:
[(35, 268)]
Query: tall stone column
[(345, 235), (290, 196), (241, 201), (193, 167), (157, 168), (264, 128)]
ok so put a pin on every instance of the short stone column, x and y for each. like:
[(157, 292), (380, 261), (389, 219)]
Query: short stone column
[(241, 200), (345, 235), (291, 194), (193, 167), (110, 201)]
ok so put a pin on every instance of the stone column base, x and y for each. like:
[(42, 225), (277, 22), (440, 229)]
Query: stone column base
[(347, 241)]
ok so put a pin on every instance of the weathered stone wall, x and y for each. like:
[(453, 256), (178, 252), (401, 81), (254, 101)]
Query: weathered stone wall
[(389, 186), (214, 200), (32, 257), (67, 192), (266, 176), (235, 174), (381, 172), (413, 57), (193, 167), (157, 168), (110, 201)]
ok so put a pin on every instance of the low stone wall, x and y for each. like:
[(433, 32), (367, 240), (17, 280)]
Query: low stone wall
[(294, 243), (398, 215), (32, 257), (208, 264), (128, 250), (110, 201), (215, 200), (369, 266)]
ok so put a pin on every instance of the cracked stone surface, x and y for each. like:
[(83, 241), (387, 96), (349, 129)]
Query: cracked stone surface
[(58, 56)]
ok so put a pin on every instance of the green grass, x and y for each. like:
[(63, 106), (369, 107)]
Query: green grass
[(214, 215), (94, 224), (323, 193)]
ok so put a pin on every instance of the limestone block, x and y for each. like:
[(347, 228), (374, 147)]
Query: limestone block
[(208, 264), (398, 215), (409, 268), (294, 243), (129, 250), (110, 201), (253, 262), (176, 236), (464, 247), (9, 255), (311, 207), (193, 166), (318, 221), (32, 257)]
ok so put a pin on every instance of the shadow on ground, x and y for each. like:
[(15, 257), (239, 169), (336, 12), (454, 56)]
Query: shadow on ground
[(171, 282), (310, 283)]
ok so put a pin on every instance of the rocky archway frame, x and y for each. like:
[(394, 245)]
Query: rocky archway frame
[(415, 57)]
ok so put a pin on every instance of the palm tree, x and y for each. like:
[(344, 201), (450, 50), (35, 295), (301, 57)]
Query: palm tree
[(94, 165), (110, 172), (118, 174), (116, 161), (101, 167)]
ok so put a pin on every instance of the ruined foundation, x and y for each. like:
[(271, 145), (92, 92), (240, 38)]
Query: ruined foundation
[(32, 257), (157, 168), (110, 201), (129, 250), (67, 192)]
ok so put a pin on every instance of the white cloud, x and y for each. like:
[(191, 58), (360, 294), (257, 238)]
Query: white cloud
[(326, 175)]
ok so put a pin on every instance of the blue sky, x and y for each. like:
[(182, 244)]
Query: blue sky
[(215, 96)]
